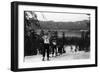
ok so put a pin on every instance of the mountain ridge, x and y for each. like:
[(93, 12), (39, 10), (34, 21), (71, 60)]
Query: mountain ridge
[(77, 25)]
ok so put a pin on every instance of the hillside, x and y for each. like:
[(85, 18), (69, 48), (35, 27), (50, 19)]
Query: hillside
[(78, 25)]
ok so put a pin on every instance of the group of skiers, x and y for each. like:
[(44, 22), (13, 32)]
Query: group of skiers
[(55, 47), (49, 45)]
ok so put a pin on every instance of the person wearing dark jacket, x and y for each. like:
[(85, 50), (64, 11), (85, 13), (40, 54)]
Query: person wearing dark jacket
[(46, 47), (54, 48)]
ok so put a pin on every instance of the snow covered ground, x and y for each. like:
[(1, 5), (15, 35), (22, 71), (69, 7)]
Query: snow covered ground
[(69, 55)]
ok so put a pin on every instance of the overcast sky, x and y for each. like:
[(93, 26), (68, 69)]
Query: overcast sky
[(63, 17), (60, 17)]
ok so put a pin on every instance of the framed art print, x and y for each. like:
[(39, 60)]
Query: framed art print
[(52, 36)]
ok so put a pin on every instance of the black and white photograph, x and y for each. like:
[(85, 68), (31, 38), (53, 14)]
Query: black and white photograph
[(56, 36), (53, 36)]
